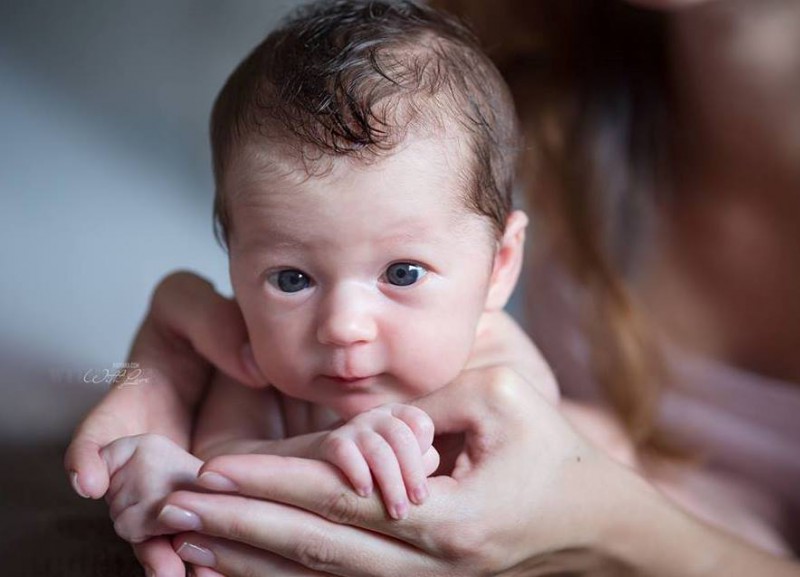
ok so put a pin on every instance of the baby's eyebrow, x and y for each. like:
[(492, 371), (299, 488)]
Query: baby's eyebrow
[(274, 242)]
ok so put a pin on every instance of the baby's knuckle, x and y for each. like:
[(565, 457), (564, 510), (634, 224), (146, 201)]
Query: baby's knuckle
[(399, 431), (374, 447), (423, 422), (152, 442), (123, 530), (335, 448)]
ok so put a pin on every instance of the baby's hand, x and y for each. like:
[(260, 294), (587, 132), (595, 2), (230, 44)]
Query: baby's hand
[(393, 444), (144, 469)]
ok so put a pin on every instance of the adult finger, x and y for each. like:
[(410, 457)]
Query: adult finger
[(294, 534), (231, 559), (159, 559)]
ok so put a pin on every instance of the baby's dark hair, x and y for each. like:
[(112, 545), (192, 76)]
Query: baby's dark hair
[(352, 78)]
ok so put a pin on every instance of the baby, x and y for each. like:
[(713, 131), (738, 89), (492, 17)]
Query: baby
[(364, 156)]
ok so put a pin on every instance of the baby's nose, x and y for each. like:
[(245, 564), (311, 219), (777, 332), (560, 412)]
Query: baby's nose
[(346, 318)]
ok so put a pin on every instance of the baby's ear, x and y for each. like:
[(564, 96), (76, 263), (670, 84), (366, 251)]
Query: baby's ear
[(507, 262)]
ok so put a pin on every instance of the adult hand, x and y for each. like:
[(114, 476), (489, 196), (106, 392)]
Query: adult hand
[(524, 486), (188, 325), (528, 496)]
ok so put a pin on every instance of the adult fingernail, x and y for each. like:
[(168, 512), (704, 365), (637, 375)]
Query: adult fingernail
[(73, 479), (196, 555), (217, 482), (249, 362), (178, 518)]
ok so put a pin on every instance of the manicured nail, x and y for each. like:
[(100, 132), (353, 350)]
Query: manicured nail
[(196, 555), (399, 511), (73, 478), (178, 518), (249, 362), (419, 494), (217, 482)]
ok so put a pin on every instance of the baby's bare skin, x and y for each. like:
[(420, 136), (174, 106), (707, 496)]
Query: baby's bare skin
[(389, 446)]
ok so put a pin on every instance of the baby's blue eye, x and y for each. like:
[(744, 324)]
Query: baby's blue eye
[(290, 280), (404, 273)]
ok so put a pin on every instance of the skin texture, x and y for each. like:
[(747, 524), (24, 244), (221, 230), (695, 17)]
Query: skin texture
[(661, 541), (351, 340), (503, 418), (353, 337)]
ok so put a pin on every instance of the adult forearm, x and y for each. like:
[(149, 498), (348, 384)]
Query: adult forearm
[(656, 539)]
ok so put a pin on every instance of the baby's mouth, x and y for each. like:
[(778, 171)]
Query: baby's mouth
[(349, 381)]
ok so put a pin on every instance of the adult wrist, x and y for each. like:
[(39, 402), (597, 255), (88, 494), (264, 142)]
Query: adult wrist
[(642, 530)]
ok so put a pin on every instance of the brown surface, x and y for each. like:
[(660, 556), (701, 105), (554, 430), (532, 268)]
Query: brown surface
[(46, 530)]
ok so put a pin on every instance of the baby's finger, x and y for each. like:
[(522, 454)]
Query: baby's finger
[(344, 453), (117, 453), (430, 461), (159, 559), (384, 466), (120, 502), (418, 421), (131, 525), (86, 469), (409, 458)]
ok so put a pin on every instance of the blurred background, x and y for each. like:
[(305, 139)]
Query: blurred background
[(105, 182)]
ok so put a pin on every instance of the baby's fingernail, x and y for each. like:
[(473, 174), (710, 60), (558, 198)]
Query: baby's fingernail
[(249, 362), (149, 571), (399, 511), (364, 491), (178, 518), (73, 478), (196, 555), (419, 494), (217, 482)]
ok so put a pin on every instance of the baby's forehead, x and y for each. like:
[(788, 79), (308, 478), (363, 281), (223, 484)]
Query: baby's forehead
[(441, 163), (416, 192)]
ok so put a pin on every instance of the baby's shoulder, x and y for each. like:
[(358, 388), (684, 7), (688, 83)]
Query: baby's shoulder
[(500, 341)]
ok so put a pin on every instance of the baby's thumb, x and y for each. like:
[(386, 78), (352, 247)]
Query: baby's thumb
[(87, 470)]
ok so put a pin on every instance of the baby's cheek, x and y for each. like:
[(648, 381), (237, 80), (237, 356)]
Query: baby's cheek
[(442, 363)]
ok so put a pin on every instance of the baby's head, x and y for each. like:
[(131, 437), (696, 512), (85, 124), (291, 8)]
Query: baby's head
[(364, 155)]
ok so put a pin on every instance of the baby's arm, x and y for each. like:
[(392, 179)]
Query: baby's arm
[(145, 468), (187, 323)]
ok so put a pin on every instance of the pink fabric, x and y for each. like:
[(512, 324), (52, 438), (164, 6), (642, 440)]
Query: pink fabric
[(745, 426)]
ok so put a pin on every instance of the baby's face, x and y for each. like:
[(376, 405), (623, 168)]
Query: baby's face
[(362, 286)]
